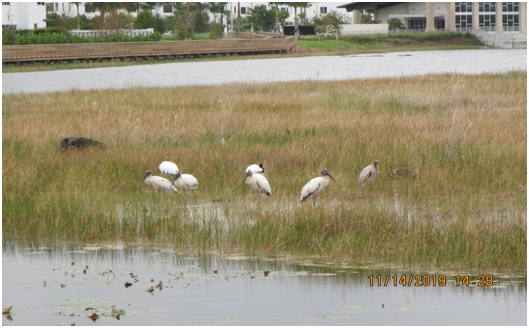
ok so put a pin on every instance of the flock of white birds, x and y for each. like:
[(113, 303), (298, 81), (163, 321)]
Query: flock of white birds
[(255, 178)]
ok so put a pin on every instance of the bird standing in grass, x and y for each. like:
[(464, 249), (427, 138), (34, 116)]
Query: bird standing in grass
[(258, 182), (168, 167), (315, 186), (185, 181), (158, 183), (368, 173)]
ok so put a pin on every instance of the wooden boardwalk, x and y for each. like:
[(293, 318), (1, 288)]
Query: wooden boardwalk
[(55, 53)]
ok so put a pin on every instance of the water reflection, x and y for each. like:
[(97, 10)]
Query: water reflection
[(233, 290)]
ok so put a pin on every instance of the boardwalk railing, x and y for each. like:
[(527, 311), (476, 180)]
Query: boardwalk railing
[(143, 50)]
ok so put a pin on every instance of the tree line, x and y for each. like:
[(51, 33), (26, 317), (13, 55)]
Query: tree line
[(187, 19)]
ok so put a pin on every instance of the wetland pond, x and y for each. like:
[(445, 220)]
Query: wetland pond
[(63, 286)]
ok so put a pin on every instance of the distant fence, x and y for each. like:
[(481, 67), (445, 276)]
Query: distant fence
[(143, 50), (128, 32)]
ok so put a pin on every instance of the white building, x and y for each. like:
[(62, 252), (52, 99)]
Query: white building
[(23, 15)]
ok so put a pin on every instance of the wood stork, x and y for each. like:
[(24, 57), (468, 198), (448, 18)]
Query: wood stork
[(258, 182), (254, 168), (369, 172), (168, 167), (158, 183), (185, 181), (315, 186)]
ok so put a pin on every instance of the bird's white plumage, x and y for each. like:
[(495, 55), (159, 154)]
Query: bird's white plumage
[(185, 182), (168, 167), (254, 168), (315, 186), (158, 183), (258, 182), (368, 173)]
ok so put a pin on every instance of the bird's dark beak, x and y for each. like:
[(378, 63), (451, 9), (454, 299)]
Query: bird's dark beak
[(331, 176)]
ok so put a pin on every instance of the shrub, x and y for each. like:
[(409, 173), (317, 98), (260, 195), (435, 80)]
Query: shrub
[(10, 37)]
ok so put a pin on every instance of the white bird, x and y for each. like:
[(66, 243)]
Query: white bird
[(168, 167), (315, 186), (258, 182), (158, 183), (369, 172), (254, 168), (185, 181)]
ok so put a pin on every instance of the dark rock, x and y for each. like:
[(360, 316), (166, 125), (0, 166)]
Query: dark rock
[(79, 143)]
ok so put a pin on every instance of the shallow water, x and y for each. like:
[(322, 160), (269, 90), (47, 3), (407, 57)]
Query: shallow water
[(233, 290), (270, 70)]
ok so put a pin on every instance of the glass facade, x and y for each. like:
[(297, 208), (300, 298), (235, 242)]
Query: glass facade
[(463, 7), (510, 16)]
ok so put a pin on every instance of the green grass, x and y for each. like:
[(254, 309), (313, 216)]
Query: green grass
[(467, 209)]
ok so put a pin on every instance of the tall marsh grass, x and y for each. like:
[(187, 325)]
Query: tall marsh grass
[(465, 134)]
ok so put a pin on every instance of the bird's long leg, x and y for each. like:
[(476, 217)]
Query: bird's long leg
[(314, 200)]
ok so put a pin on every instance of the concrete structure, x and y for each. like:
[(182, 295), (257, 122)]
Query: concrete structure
[(23, 15), (495, 17)]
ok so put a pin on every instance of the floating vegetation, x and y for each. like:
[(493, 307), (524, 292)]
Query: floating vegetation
[(7, 310)]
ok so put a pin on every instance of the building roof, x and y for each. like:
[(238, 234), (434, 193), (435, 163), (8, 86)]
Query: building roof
[(367, 5)]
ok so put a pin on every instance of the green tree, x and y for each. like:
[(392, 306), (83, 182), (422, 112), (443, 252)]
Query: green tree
[(330, 23), (278, 14), (85, 22), (367, 18), (103, 8), (10, 37), (161, 23), (182, 27), (394, 24), (145, 19), (261, 18), (77, 4)]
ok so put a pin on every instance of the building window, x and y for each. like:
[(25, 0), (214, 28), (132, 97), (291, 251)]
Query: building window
[(463, 21), (167, 9), (284, 9), (510, 17), (511, 22), (323, 10), (463, 7), (243, 10), (5, 4), (52, 6), (417, 24), (509, 6), (35, 26), (487, 22), (487, 7), (439, 24), (41, 3)]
